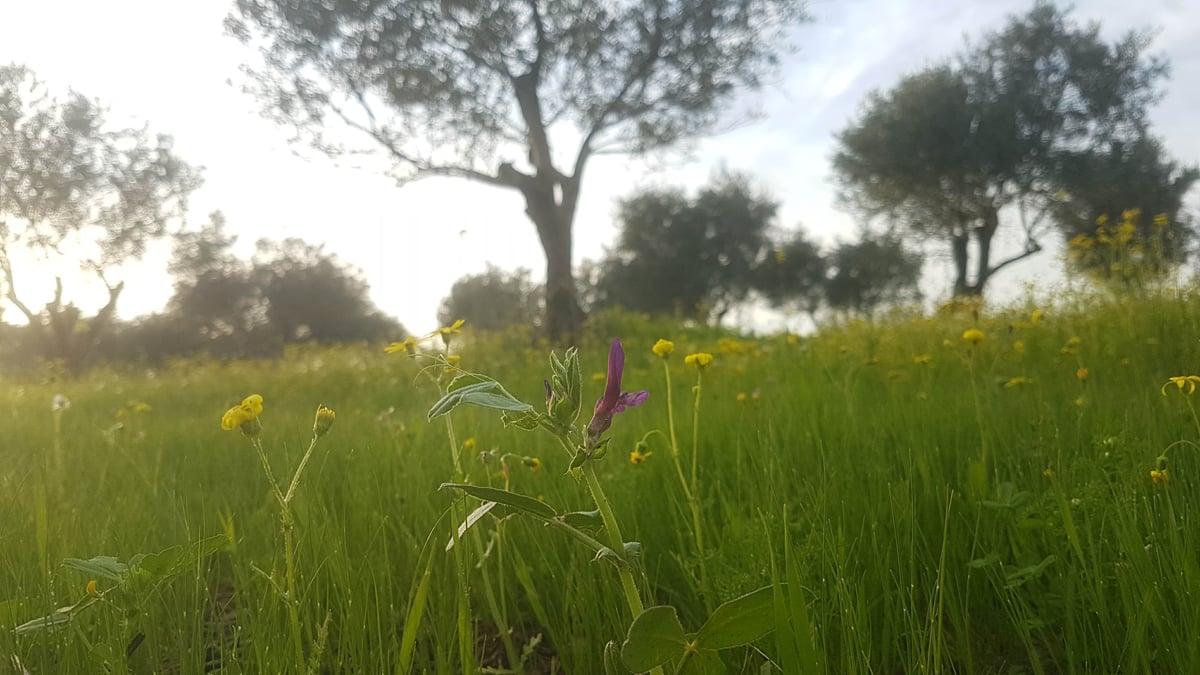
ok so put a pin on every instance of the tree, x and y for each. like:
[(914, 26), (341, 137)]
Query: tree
[(950, 151), (793, 276), (692, 257), (70, 186), (217, 306), (492, 300), (871, 273), (312, 295), (1132, 184), (493, 92)]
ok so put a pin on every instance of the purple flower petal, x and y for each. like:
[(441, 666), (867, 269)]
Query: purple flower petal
[(630, 400)]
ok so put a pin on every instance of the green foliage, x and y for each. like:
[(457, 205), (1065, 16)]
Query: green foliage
[(875, 272), (687, 257), (68, 177), (492, 300), (882, 560), (956, 152)]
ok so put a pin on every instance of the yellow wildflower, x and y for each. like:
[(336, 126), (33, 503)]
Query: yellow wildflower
[(1181, 381), (741, 397), (244, 416), (91, 589), (533, 463), (598, 377), (323, 421), (408, 345), (663, 348), (453, 361), (447, 331), (1074, 341), (139, 407), (1082, 374), (637, 456), (1019, 346), (1160, 220), (1048, 473), (780, 256), (1017, 381), (1102, 220), (973, 335), (699, 359), (1036, 317), (923, 359), (1159, 476), (793, 339), (469, 444)]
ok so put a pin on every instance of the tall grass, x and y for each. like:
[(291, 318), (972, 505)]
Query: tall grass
[(851, 466)]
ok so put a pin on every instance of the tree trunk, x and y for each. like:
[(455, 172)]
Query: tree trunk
[(563, 314), (984, 235), (959, 250)]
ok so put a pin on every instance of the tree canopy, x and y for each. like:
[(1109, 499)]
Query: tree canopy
[(493, 299), (960, 150), (518, 95), (694, 257), (72, 188)]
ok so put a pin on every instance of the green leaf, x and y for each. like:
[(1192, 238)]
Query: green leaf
[(485, 399), (171, 561), (584, 519), (472, 518), (101, 566), (702, 662), (654, 638), (517, 501), (528, 420), (55, 620), (453, 398), (739, 621)]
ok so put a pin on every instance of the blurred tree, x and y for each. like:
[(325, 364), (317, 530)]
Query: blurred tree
[(493, 300), (72, 188), (218, 305), (793, 275), (312, 295), (874, 272), (949, 149), (695, 258), (1132, 185), (494, 92)]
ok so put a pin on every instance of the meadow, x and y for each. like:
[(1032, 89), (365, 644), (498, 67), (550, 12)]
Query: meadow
[(1005, 491)]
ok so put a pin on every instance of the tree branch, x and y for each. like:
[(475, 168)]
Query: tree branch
[(6, 266), (1031, 247)]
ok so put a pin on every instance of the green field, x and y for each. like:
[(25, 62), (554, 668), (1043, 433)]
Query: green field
[(916, 503)]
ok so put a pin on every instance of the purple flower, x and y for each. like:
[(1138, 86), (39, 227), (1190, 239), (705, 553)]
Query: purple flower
[(614, 400)]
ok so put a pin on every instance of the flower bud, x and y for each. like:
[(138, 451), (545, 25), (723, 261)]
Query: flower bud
[(323, 421)]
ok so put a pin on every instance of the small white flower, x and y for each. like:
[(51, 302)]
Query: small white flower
[(1076, 501), (59, 403)]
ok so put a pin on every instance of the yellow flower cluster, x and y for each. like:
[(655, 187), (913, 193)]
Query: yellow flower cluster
[(699, 359), (973, 335), (244, 416), (663, 348)]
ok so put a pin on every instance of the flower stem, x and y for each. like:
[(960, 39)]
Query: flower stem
[(688, 493), (694, 495)]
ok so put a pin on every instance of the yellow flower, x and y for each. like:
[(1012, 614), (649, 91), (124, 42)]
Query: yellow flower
[(1017, 381), (1019, 346), (1074, 341), (598, 377), (409, 345), (1102, 220), (1159, 476), (447, 331), (453, 361), (139, 407), (699, 359), (533, 463), (1160, 220), (741, 397), (323, 421), (1036, 317), (244, 416), (91, 589), (638, 456), (663, 348), (923, 359), (1080, 402), (1181, 381), (780, 256), (1082, 374), (793, 339), (973, 335), (1048, 473), (469, 444)]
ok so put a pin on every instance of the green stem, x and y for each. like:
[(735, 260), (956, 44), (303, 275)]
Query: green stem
[(287, 498), (694, 496), (289, 560), (632, 597)]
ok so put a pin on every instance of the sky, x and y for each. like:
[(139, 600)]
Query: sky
[(169, 64)]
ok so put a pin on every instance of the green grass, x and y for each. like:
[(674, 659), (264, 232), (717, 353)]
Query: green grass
[(905, 552)]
